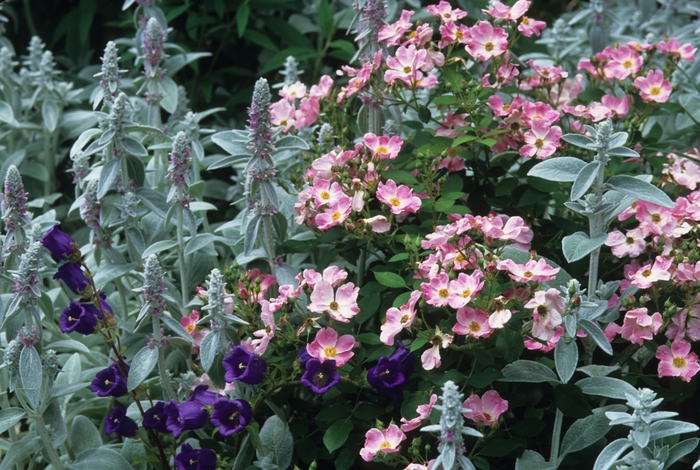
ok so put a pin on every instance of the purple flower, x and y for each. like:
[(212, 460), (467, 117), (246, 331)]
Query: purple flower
[(109, 382), (231, 416), (117, 421), (79, 317), (202, 396), (195, 459), (390, 374), (320, 377), (73, 276), (60, 244), (244, 366), (184, 417), (304, 357), (156, 418)]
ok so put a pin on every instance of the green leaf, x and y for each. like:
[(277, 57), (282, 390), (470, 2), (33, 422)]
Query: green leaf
[(177, 328), (400, 176), (276, 438), (336, 435), (231, 142), (463, 139), (445, 99), (501, 448), (528, 371), (107, 177), (134, 147), (6, 114), (611, 454), (9, 417), (510, 344), (569, 400), (30, 373), (291, 142), (207, 349), (69, 344), (606, 387), (578, 245), (154, 200), (579, 140), (63, 390), (200, 241), (639, 189), (157, 247), (566, 358), (20, 450), (531, 460), (424, 114), (102, 458), (585, 432), (669, 427), (622, 152), (593, 331), (325, 19), (143, 363), (389, 279), (50, 113), (262, 40), (562, 169), (242, 15), (680, 450), (111, 272), (584, 180)]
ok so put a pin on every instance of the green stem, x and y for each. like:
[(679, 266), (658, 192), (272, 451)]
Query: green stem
[(268, 237), (556, 436), (4, 404), (28, 17), (168, 392), (48, 445), (361, 261), (48, 162), (181, 258)]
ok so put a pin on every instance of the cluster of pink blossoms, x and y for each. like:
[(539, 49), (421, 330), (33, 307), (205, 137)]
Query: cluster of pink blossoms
[(341, 183), (663, 232), (297, 108), (627, 61)]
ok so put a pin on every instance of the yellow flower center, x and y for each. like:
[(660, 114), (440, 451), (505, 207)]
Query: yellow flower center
[(333, 305), (336, 215), (385, 445), (444, 293), (325, 195), (629, 240), (627, 64), (489, 46), (656, 218), (474, 327), (382, 149), (527, 274), (679, 362), (404, 319), (329, 351), (407, 69), (395, 201), (526, 20), (539, 143), (646, 273), (466, 293), (655, 91)]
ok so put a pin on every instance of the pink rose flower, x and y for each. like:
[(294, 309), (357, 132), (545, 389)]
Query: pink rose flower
[(487, 409)]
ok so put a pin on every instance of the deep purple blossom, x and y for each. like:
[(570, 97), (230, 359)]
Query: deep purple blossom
[(109, 382), (202, 396), (390, 374), (195, 459), (231, 416), (60, 244), (79, 317), (156, 418), (320, 377), (73, 276), (184, 417), (117, 421), (304, 357), (245, 366)]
